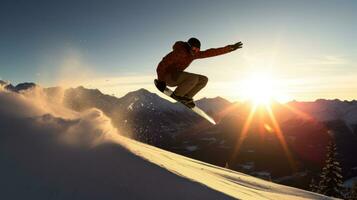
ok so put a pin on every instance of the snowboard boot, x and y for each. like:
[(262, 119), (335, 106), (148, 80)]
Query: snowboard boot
[(190, 104), (178, 98)]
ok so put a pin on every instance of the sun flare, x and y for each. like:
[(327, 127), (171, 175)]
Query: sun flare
[(259, 88), (262, 89)]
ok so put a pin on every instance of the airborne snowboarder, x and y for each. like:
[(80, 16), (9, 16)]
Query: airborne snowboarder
[(170, 70)]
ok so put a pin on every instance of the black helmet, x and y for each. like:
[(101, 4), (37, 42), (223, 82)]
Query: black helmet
[(194, 42)]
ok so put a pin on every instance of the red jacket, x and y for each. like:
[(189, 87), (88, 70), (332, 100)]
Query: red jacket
[(181, 57)]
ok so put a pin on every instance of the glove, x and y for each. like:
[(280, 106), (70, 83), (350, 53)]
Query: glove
[(161, 85), (236, 46)]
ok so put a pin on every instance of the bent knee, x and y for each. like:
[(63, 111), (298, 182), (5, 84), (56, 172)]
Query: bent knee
[(203, 79), (193, 79)]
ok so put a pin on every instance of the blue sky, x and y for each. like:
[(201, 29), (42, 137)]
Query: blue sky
[(307, 47)]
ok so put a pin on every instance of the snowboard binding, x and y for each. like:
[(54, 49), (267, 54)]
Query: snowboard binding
[(184, 100)]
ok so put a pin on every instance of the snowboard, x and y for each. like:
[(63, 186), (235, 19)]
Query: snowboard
[(167, 91)]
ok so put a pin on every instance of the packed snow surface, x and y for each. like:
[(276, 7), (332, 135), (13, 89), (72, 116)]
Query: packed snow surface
[(231, 183)]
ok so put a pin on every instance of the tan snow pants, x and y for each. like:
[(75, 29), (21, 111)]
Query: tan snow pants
[(188, 84)]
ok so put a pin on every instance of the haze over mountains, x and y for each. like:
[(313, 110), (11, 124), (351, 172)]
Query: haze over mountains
[(307, 128)]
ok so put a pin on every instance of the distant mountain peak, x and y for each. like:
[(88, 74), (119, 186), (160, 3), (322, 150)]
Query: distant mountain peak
[(87, 90), (83, 88), (19, 87), (3, 82), (215, 99), (213, 105), (140, 93), (327, 100), (25, 86)]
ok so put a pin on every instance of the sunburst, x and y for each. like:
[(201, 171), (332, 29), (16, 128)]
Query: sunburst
[(261, 89)]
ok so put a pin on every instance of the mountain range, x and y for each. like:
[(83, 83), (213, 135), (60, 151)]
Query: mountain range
[(307, 127), (48, 151)]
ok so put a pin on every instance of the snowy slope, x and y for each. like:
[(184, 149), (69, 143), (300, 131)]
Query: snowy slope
[(234, 184), (50, 152)]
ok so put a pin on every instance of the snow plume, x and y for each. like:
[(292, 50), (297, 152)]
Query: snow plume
[(43, 113)]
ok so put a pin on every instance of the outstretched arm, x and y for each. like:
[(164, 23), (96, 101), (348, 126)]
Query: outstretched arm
[(218, 51)]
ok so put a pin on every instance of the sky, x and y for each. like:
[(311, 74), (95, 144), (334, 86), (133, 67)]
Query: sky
[(304, 50)]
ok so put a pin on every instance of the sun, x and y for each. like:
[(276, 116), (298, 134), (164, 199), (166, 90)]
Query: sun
[(259, 88)]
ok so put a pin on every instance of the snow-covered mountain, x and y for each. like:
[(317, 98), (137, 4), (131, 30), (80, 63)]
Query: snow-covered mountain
[(18, 87), (213, 105), (143, 99), (48, 151), (138, 113), (330, 110), (3, 83)]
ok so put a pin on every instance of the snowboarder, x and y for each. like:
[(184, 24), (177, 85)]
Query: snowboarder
[(170, 70)]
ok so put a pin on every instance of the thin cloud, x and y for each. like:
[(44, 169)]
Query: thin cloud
[(325, 60)]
